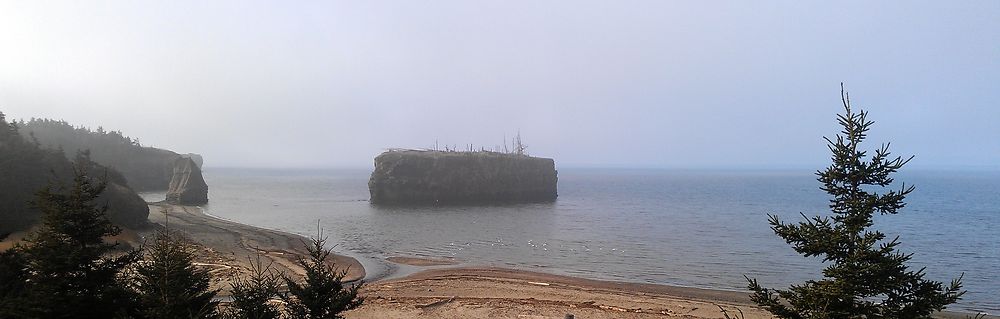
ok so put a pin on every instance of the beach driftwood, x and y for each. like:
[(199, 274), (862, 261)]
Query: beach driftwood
[(436, 303)]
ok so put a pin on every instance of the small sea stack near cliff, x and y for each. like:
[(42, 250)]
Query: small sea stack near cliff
[(187, 186), (441, 177)]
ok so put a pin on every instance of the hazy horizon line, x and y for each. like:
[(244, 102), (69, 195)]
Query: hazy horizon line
[(574, 166)]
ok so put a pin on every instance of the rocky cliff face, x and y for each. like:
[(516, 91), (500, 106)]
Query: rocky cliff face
[(187, 186), (432, 177), (196, 158)]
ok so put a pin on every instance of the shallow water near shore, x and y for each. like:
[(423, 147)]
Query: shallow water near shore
[(688, 228)]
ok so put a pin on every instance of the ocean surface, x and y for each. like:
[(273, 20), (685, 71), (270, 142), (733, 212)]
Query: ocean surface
[(689, 228)]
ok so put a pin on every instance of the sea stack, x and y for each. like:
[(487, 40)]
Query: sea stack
[(196, 158), (435, 177), (187, 187)]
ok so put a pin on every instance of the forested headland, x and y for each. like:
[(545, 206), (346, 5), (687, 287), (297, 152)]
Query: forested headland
[(26, 167), (146, 168)]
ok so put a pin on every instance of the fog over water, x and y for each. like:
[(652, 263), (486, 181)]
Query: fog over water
[(590, 83), (675, 126)]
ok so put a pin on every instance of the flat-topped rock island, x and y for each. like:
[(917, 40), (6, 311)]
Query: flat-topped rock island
[(445, 178)]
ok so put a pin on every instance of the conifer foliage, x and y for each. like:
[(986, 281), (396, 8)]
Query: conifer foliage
[(69, 270), (12, 283), (168, 282), (252, 294), (322, 294), (866, 276)]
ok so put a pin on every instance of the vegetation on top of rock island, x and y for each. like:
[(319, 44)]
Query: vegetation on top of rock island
[(866, 276), (515, 148)]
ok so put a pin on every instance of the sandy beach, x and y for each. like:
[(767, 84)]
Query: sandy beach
[(506, 293)]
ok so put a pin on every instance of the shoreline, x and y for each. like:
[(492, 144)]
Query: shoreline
[(444, 287), (231, 247)]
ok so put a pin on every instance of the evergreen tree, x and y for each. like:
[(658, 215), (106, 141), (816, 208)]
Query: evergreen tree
[(67, 263), (251, 295), (168, 283), (146, 168), (322, 293), (13, 279), (26, 167), (866, 276)]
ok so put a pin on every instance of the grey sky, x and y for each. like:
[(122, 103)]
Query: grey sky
[(590, 83)]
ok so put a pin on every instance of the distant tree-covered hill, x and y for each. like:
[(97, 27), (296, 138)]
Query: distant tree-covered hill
[(145, 168), (26, 167)]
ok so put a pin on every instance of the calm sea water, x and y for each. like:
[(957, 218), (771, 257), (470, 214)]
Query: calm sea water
[(690, 228)]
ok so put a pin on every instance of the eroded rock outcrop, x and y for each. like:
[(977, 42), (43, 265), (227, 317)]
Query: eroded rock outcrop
[(196, 158), (187, 186), (434, 177)]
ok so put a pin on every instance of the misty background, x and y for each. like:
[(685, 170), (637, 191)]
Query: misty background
[(589, 83)]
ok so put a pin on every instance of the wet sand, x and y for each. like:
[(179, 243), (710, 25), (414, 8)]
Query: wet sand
[(228, 247)]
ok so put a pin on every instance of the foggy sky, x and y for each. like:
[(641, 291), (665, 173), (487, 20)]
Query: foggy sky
[(696, 84)]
